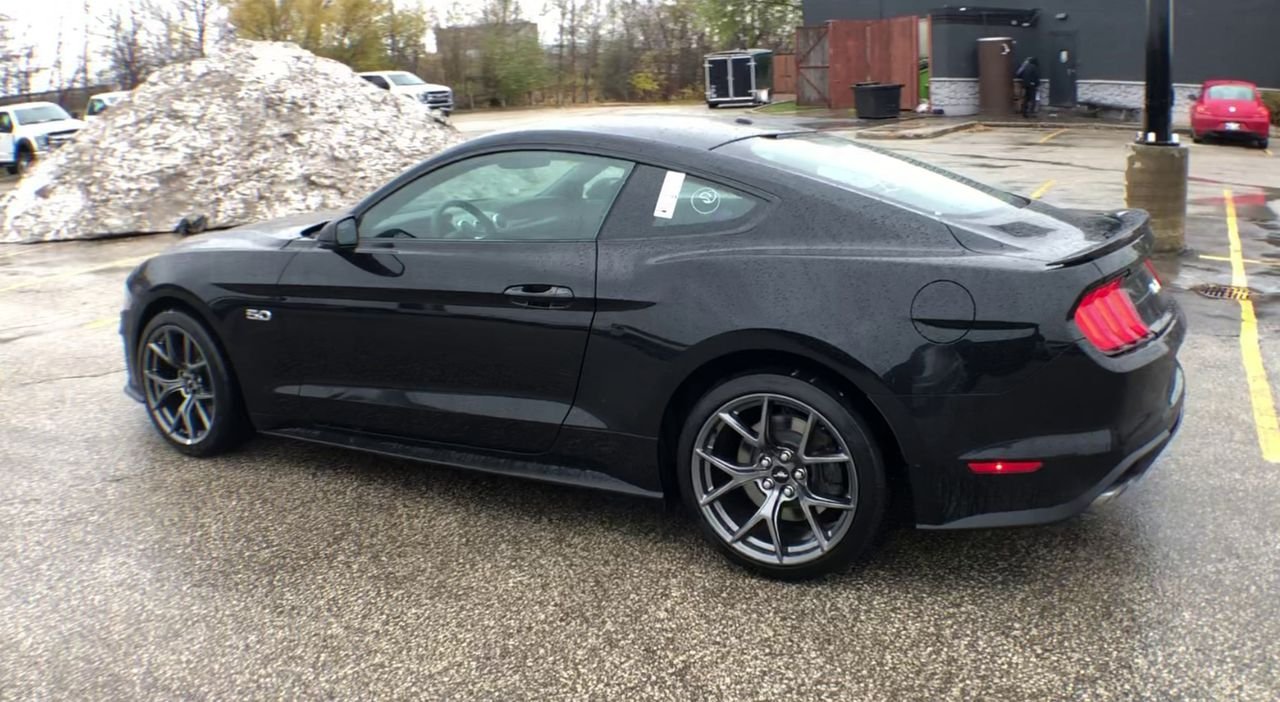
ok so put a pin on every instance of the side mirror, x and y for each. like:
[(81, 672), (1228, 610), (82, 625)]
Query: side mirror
[(344, 233)]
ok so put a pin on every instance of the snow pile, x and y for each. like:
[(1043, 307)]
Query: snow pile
[(258, 130)]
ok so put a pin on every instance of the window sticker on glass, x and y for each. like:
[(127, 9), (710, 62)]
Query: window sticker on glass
[(706, 201), (669, 195)]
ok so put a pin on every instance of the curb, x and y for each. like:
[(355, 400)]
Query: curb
[(925, 133), (919, 133)]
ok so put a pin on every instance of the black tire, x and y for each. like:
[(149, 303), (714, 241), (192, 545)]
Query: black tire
[(1197, 138), (1264, 143), (23, 165), (848, 538), (225, 424)]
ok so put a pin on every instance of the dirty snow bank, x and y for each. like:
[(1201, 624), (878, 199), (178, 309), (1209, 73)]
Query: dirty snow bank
[(258, 130)]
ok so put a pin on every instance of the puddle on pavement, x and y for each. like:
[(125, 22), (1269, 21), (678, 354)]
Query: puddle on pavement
[(1258, 215)]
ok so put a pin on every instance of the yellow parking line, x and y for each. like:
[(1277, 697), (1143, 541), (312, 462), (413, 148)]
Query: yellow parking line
[(1264, 408), (1048, 137), (1246, 260), (101, 322), (72, 274), (1267, 152), (1040, 191)]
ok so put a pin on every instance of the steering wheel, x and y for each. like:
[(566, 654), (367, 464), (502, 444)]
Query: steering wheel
[(442, 222)]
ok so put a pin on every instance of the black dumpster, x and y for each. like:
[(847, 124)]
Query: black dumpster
[(877, 100)]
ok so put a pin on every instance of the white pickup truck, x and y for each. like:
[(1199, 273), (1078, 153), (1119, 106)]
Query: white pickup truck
[(30, 129), (432, 95)]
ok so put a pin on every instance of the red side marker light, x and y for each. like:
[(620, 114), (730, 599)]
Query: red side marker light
[(1001, 467)]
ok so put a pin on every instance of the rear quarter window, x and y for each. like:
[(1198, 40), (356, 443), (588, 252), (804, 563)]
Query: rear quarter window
[(697, 206)]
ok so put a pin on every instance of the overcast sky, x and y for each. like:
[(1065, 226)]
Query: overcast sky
[(39, 20)]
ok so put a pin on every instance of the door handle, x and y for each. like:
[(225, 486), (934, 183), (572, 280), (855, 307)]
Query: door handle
[(539, 295)]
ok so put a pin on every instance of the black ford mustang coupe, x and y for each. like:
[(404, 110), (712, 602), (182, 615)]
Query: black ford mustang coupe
[(790, 332)]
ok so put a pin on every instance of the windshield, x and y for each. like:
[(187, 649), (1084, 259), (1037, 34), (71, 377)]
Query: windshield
[(1230, 92), (878, 173), (43, 113), (405, 79)]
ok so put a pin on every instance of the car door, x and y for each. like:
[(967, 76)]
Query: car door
[(462, 314), (7, 153)]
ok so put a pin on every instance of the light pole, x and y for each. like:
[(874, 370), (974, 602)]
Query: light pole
[(1157, 127), (1156, 172)]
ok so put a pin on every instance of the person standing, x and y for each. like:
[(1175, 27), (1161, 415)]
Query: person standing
[(1029, 75)]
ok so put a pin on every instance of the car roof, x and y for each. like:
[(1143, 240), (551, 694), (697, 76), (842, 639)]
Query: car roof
[(1230, 81), (688, 131), (380, 73)]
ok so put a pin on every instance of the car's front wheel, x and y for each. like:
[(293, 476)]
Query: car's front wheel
[(783, 476), (23, 162), (188, 387)]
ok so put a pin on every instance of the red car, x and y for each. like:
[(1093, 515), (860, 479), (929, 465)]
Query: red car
[(1230, 108)]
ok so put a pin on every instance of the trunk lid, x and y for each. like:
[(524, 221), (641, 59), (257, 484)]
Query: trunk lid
[(1050, 235), (1226, 109)]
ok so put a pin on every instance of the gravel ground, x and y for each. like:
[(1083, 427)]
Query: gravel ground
[(294, 571)]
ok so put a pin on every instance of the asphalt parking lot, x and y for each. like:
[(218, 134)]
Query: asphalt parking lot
[(290, 570)]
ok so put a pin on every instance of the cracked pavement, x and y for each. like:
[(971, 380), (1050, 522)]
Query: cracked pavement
[(285, 570)]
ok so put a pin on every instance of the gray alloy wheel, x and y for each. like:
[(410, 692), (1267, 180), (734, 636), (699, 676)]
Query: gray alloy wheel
[(774, 479), (178, 384)]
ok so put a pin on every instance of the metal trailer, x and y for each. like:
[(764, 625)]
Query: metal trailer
[(741, 77)]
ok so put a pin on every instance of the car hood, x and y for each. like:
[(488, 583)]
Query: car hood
[(270, 234), (1048, 234), (62, 125)]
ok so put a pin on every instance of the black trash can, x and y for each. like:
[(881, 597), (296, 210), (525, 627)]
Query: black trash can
[(877, 100)]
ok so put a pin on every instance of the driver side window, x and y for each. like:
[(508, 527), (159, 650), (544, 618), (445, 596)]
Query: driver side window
[(507, 196)]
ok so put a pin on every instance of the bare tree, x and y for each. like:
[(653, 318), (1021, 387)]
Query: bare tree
[(127, 54), (200, 15), (180, 30), (10, 57)]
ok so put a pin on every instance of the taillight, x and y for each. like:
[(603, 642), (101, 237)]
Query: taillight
[(1109, 320)]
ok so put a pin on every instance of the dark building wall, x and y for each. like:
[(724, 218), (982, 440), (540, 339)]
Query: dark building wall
[(1212, 38)]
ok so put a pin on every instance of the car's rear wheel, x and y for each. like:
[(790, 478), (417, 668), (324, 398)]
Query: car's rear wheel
[(188, 388), (1264, 142), (782, 475)]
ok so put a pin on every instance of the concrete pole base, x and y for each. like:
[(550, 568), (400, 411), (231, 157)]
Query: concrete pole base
[(1155, 179)]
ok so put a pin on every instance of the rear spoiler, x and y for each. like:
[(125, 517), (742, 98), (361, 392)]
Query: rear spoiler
[(1134, 224)]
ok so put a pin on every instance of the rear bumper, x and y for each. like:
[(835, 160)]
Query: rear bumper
[(1127, 472), (1218, 128), (1096, 423)]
